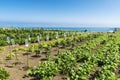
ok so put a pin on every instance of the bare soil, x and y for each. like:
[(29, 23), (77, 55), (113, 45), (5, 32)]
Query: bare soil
[(17, 68)]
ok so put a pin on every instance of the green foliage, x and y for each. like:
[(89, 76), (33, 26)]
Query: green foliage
[(2, 48), (48, 49), (20, 34), (10, 55), (22, 49), (3, 43), (31, 49), (3, 74), (65, 61), (15, 49), (45, 71), (39, 51), (63, 43), (100, 50)]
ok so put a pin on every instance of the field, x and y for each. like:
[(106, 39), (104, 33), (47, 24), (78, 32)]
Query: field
[(38, 54)]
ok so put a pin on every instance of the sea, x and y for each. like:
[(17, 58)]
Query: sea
[(50, 27)]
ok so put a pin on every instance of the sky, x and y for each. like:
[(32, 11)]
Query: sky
[(62, 12)]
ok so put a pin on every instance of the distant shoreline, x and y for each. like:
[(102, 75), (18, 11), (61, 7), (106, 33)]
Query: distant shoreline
[(50, 27), (83, 29)]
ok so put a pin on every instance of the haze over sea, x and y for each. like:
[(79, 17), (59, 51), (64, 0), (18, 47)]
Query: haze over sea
[(56, 26)]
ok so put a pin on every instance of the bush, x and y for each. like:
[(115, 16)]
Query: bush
[(39, 51), (3, 43), (45, 71), (22, 49), (31, 49), (2, 48), (3, 74), (10, 55), (15, 49)]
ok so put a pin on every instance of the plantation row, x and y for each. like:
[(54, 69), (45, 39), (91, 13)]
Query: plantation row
[(79, 63), (106, 60), (46, 47), (65, 61), (19, 35), (39, 48), (61, 43)]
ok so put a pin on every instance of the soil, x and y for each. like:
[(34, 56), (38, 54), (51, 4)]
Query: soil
[(117, 72), (94, 73), (18, 68)]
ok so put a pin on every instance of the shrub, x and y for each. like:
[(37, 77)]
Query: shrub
[(22, 49), (31, 49), (3, 74), (2, 48), (3, 43), (10, 55), (45, 71)]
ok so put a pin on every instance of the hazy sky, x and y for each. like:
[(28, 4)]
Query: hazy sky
[(77, 12)]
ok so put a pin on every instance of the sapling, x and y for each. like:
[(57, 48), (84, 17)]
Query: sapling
[(29, 39), (39, 51), (8, 41), (57, 37), (13, 45), (63, 42), (65, 36), (73, 40), (48, 51), (48, 47), (27, 45), (10, 55), (15, 50), (40, 37), (47, 37)]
